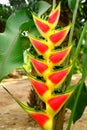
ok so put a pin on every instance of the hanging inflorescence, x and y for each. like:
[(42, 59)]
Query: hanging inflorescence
[(47, 47)]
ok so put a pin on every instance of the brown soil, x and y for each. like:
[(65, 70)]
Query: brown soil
[(12, 117)]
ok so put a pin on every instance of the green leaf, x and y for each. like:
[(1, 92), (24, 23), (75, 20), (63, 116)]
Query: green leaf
[(82, 102), (84, 58), (43, 7), (28, 25), (72, 4), (22, 105), (11, 52)]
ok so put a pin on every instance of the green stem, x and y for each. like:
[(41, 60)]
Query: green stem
[(70, 39), (76, 101), (80, 43), (54, 3), (76, 54), (73, 22)]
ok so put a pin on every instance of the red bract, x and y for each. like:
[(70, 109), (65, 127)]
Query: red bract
[(57, 101), (58, 56), (40, 118), (39, 45), (58, 36), (59, 76), (39, 86), (42, 26), (54, 16), (39, 66)]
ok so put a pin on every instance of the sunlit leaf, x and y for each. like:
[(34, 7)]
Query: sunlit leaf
[(43, 7)]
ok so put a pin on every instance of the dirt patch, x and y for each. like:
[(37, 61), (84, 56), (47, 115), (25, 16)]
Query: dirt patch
[(12, 117)]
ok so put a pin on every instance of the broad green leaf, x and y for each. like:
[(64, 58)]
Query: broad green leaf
[(11, 53), (72, 4), (82, 102), (42, 7)]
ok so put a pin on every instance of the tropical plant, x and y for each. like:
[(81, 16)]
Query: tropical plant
[(50, 58)]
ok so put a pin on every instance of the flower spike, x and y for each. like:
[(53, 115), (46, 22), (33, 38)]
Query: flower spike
[(46, 67)]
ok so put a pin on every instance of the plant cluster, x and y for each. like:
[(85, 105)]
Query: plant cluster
[(51, 61)]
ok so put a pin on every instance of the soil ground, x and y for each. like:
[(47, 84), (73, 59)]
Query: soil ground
[(12, 117)]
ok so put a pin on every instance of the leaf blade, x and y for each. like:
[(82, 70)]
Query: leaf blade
[(11, 52)]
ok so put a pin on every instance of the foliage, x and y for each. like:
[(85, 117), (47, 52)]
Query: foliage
[(72, 4), (14, 41), (82, 102), (11, 53)]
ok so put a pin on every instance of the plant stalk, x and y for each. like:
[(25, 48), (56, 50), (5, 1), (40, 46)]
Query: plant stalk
[(73, 22), (59, 119)]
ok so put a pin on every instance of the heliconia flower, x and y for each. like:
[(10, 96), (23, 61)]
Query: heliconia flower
[(52, 57)]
